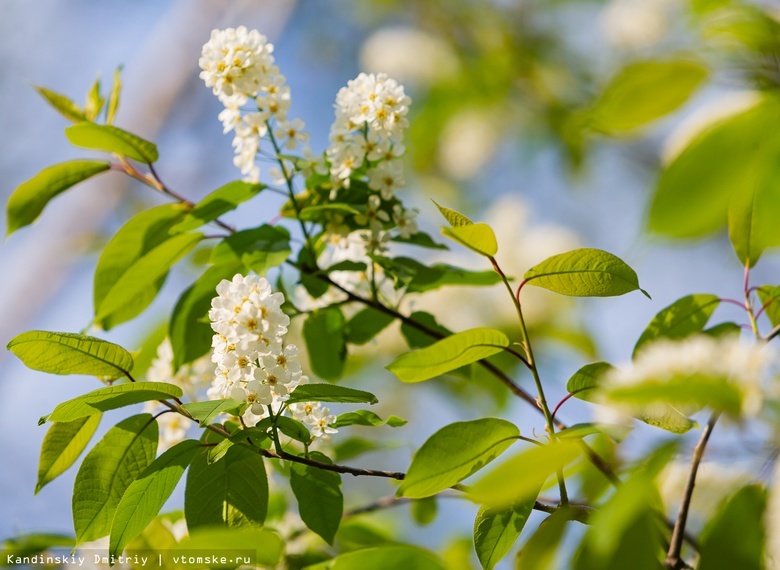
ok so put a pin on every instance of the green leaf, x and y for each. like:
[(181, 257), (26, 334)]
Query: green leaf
[(28, 201), (366, 418), (497, 529), (112, 139), (586, 379), (232, 492), (62, 445), (330, 393), (107, 471), (454, 453), (731, 158), (770, 297), (752, 217), (424, 510), (219, 202), (448, 354), (95, 101), (540, 551), (147, 494), (113, 97), (190, 331), (420, 278), (111, 398), (320, 502), (685, 317), (293, 429), (69, 353), (479, 238), (390, 557), (31, 544), (645, 91), (366, 324), (456, 219), (315, 213), (147, 353), (416, 338), (205, 412), (520, 478), (584, 272), (258, 249), (325, 336), (134, 240), (735, 537), (353, 447), (263, 546), (420, 239), (144, 273), (65, 105)]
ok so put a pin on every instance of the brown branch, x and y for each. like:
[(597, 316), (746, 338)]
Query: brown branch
[(673, 559)]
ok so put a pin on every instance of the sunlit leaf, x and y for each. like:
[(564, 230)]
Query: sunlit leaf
[(454, 453), (112, 139), (62, 445), (366, 418), (28, 201), (70, 353), (219, 202), (448, 354), (684, 317), (65, 105), (258, 249), (497, 529), (584, 272), (330, 393), (320, 502)]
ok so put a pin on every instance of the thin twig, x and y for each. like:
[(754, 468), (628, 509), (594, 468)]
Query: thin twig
[(673, 559)]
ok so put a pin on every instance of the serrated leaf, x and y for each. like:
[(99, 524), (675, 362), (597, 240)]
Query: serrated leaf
[(189, 331), (145, 272), (520, 478), (108, 138), (454, 453), (62, 445), (28, 200), (366, 418), (145, 496), (325, 336), (65, 105), (477, 237), (258, 249), (107, 471), (497, 529), (70, 353), (389, 557), (684, 317), (330, 393), (232, 492), (138, 237), (219, 202), (263, 546), (645, 91), (456, 219), (111, 398), (584, 272), (205, 412), (320, 502), (113, 97), (586, 379), (448, 354)]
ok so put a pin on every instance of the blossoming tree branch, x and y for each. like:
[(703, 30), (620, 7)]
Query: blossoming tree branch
[(226, 366)]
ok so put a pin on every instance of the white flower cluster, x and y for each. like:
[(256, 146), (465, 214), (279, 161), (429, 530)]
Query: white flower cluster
[(727, 358), (368, 132), (192, 378), (239, 66), (253, 362)]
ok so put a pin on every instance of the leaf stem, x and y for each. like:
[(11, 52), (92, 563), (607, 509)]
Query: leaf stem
[(531, 362)]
